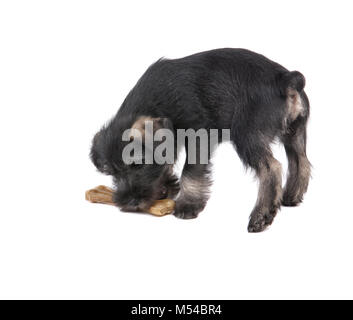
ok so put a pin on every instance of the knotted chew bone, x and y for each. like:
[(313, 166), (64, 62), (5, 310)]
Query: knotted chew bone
[(103, 194)]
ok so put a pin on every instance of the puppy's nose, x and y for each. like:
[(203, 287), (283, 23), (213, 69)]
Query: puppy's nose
[(164, 190)]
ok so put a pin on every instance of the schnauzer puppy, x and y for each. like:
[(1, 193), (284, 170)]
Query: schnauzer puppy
[(255, 98)]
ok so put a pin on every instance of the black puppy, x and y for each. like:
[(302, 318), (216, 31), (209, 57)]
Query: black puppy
[(255, 98)]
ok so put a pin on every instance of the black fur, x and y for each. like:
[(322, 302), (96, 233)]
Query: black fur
[(234, 89)]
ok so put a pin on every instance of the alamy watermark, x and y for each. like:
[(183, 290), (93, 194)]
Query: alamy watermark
[(159, 146)]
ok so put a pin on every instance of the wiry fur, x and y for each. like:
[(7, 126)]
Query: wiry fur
[(236, 89)]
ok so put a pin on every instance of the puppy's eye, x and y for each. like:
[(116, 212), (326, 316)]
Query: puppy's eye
[(106, 169)]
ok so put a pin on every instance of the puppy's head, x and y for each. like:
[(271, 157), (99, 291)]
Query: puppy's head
[(137, 183)]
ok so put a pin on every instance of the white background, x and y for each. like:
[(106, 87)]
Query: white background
[(65, 68)]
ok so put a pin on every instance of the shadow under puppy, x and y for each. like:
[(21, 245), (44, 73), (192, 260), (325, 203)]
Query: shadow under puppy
[(255, 98)]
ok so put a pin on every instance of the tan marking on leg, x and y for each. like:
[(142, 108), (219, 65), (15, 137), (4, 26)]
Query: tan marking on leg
[(304, 169), (268, 174), (194, 188)]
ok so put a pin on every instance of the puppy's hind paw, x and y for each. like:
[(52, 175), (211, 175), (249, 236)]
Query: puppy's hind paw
[(260, 222), (291, 200), (257, 225)]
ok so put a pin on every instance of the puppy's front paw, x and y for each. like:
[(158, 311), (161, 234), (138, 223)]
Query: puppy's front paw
[(187, 210)]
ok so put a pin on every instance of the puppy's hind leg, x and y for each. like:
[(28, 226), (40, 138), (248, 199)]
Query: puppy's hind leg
[(255, 152), (294, 140), (298, 164)]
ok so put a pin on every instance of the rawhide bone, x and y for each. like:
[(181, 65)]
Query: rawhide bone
[(104, 195)]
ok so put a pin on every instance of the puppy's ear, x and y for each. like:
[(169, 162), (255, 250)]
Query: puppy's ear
[(96, 153), (143, 124)]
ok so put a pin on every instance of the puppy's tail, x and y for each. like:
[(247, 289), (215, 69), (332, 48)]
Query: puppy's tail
[(291, 80)]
